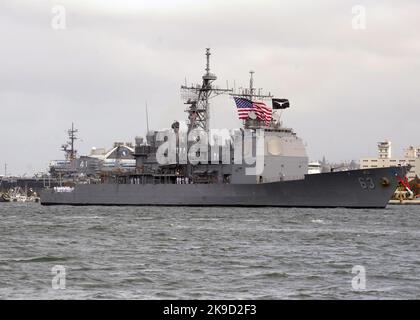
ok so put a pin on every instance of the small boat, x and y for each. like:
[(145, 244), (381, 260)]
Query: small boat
[(18, 195), (4, 197)]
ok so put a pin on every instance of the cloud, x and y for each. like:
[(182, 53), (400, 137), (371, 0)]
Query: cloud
[(348, 88)]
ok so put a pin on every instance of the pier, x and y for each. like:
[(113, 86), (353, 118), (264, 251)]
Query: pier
[(405, 202)]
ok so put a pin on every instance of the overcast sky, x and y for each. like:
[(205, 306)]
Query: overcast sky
[(348, 88)]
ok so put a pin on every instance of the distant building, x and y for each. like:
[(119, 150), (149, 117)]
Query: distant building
[(327, 166), (385, 150), (412, 152), (385, 159), (314, 167), (119, 157)]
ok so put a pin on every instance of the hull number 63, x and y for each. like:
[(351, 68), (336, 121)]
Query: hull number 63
[(367, 183)]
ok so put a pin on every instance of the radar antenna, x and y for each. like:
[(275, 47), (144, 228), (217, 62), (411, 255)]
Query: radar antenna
[(250, 93), (147, 120)]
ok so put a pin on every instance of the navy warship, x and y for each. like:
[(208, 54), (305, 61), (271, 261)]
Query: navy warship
[(263, 163)]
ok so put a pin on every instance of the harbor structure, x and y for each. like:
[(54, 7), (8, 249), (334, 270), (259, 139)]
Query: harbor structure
[(385, 158), (99, 162)]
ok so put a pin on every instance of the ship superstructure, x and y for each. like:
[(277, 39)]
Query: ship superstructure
[(284, 152)]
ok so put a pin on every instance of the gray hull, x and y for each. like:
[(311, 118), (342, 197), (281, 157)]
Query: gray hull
[(372, 188)]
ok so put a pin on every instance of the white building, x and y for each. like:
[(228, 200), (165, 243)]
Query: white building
[(314, 167), (121, 155), (385, 149), (385, 159)]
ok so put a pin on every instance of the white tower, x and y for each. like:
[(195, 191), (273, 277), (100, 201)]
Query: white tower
[(410, 152), (384, 150)]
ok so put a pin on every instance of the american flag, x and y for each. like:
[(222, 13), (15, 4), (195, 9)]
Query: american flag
[(261, 110)]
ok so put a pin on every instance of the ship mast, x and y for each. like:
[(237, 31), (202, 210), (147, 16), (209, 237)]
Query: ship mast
[(251, 84), (147, 120), (68, 148), (250, 93), (197, 97)]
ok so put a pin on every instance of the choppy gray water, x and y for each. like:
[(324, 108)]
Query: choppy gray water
[(208, 253)]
